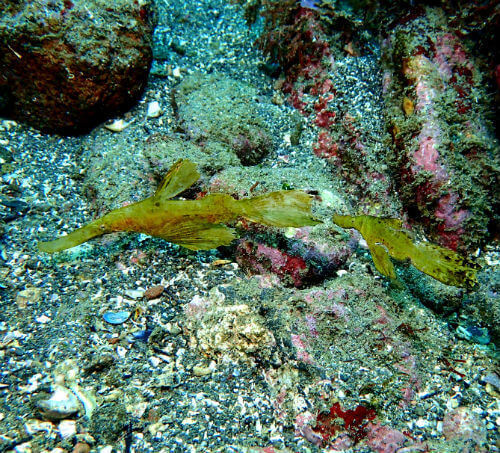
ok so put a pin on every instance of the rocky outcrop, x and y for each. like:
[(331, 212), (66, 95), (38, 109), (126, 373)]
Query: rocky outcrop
[(66, 65)]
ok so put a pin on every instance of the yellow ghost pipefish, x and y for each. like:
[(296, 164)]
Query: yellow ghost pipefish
[(386, 237), (194, 224)]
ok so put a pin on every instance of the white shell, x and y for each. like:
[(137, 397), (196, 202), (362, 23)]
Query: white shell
[(117, 125), (67, 428), (61, 404), (154, 109)]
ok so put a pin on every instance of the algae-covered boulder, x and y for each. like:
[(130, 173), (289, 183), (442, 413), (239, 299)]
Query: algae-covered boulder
[(212, 107), (65, 65)]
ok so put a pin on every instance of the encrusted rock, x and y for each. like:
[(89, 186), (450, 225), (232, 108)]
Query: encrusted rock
[(65, 66), (222, 109), (231, 331), (445, 155)]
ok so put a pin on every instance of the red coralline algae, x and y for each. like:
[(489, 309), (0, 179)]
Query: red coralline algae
[(444, 155), (300, 344), (354, 421), (299, 261), (260, 258), (325, 147), (445, 143), (307, 43), (463, 426)]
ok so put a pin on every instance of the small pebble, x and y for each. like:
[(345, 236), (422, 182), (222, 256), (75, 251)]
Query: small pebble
[(62, 404), (154, 292), (26, 296), (67, 428), (177, 72), (154, 110), (141, 335), (81, 447), (200, 371), (134, 293)]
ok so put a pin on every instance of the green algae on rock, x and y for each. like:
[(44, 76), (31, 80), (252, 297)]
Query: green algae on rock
[(386, 238), (194, 224)]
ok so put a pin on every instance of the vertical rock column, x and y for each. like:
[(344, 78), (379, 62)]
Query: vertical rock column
[(444, 154)]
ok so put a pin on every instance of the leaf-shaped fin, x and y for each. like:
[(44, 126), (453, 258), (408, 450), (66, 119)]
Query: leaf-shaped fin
[(382, 261), (199, 235), (445, 265), (386, 237), (347, 221), (182, 174)]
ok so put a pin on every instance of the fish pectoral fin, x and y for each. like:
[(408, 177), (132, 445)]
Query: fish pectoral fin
[(382, 260), (200, 236), (182, 175)]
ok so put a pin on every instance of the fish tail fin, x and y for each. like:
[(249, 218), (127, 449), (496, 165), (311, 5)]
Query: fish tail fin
[(74, 238), (445, 265), (284, 208)]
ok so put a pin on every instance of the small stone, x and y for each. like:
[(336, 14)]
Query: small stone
[(43, 319), (100, 363), (67, 428), (62, 404), (28, 295), (154, 292), (200, 371), (154, 110), (493, 379), (121, 351), (177, 72), (134, 293), (154, 361), (81, 447), (35, 426)]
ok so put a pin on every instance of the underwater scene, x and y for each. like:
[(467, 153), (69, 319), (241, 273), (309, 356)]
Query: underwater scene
[(249, 226)]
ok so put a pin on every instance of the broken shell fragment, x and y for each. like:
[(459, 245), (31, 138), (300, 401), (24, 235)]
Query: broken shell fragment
[(154, 110), (62, 404), (117, 125), (116, 318)]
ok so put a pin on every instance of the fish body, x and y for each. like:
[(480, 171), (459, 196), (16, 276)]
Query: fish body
[(386, 238), (194, 224)]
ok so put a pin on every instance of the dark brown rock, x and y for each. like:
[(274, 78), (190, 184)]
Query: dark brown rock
[(66, 65)]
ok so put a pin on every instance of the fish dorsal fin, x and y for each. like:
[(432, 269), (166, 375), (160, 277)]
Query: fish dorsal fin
[(182, 174), (396, 224)]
